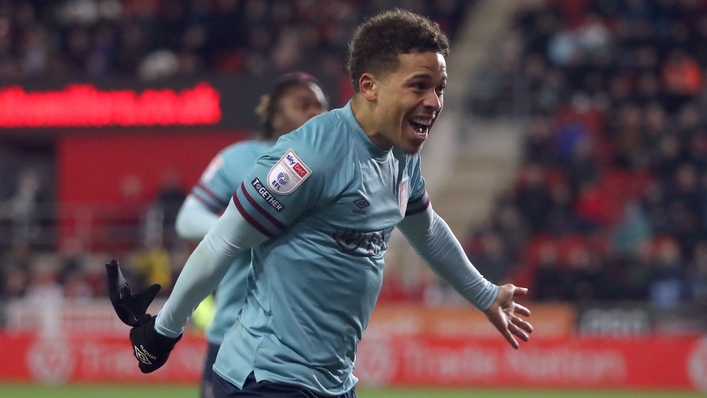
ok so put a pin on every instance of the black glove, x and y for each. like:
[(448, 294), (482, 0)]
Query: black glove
[(129, 307), (149, 347)]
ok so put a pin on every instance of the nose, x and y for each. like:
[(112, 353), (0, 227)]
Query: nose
[(433, 101)]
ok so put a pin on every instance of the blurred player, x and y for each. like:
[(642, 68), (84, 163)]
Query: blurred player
[(318, 209), (293, 99)]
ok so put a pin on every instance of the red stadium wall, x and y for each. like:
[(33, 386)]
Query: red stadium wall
[(678, 363), (92, 359), (402, 347), (94, 169)]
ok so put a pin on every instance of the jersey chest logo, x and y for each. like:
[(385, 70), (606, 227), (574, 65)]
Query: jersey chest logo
[(403, 197), (362, 244), (288, 173)]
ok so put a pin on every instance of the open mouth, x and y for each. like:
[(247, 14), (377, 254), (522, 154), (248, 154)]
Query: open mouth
[(421, 125)]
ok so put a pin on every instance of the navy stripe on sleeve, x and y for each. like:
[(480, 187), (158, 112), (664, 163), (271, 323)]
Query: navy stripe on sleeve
[(206, 203), (418, 205), (260, 210), (250, 219), (216, 198)]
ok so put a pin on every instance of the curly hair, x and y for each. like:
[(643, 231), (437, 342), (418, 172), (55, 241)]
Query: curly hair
[(269, 103), (377, 43)]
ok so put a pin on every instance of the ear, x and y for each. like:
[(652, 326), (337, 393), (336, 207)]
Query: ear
[(368, 85), (276, 121)]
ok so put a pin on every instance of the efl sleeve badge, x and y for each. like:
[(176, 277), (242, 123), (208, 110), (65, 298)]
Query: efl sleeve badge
[(288, 173)]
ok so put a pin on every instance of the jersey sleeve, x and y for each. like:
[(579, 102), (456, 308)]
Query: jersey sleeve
[(286, 181), (419, 200), (225, 173), (214, 188)]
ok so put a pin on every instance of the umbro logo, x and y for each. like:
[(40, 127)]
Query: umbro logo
[(361, 203), (142, 355)]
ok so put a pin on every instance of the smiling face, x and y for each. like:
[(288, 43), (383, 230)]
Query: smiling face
[(405, 101)]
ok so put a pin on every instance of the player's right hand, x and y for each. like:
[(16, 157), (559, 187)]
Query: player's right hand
[(150, 348), (503, 314), (130, 308)]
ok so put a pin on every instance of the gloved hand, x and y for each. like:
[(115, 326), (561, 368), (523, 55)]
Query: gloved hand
[(130, 308), (149, 347)]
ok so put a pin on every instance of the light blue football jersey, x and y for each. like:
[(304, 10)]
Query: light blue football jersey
[(329, 199), (221, 178)]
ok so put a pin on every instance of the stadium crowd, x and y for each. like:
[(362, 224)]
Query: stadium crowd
[(153, 39), (611, 200)]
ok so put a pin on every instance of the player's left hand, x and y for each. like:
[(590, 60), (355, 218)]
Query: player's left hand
[(503, 314)]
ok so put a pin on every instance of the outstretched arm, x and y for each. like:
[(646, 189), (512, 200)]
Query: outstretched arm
[(435, 242), (153, 338), (229, 237)]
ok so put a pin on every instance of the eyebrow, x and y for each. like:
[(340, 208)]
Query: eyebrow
[(424, 76)]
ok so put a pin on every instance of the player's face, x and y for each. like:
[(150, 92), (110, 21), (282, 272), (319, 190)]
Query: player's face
[(299, 104), (409, 100)]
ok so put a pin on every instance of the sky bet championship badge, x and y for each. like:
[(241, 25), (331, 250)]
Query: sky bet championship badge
[(288, 173)]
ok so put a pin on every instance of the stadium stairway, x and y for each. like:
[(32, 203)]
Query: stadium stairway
[(484, 165)]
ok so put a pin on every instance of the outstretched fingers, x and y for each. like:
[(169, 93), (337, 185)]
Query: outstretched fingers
[(520, 328), (509, 337), (518, 321), (519, 309), (510, 326)]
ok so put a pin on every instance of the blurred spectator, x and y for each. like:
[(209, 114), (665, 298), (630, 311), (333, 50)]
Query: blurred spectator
[(165, 207), (512, 231), (43, 287), (551, 279), (568, 137), (533, 197), (15, 270), (667, 285), (681, 77), (125, 221), (158, 65), (586, 276), (491, 258), (538, 146), (72, 274), (152, 265), (23, 208), (697, 274), (632, 231), (628, 135), (582, 167), (683, 201), (592, 207), (561, 218)]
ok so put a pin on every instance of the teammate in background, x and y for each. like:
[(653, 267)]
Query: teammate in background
[(317, 210), (293, 99)]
